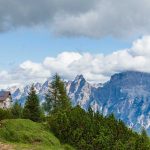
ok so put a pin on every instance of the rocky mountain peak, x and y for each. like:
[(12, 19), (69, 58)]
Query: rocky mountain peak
[(127, 95), (79, 77)]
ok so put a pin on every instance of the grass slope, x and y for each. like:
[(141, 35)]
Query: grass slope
[(26, 134)]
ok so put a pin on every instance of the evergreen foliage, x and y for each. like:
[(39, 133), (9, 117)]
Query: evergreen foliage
[(16, 110), (92, 131), (5, 114), (32, 108), (143, 141), (89, 130), (56, 98)]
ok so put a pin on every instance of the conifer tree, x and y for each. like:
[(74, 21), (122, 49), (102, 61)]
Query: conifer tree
[(32, 109), (49, 101), (56, 98)]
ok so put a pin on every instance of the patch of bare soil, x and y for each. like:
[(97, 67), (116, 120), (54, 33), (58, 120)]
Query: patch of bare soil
[(5, 147)]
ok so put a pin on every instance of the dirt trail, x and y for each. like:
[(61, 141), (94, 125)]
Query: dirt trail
[(5, 147)]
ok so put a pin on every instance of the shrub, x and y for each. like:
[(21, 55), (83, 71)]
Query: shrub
[(5, 114)]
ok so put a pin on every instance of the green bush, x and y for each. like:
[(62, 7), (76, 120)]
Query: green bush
[(92, 131), (5, 114), (16, 110)]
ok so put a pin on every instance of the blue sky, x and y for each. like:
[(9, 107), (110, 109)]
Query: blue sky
[(31, 44), (41, 37)]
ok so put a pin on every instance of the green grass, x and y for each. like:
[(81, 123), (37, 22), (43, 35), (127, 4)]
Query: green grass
[(26, 134)]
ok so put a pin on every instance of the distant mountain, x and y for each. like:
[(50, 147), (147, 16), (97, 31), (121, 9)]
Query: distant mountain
[(127, 95)]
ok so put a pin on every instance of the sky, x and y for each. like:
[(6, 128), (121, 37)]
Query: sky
[(25, 44), (95, 38)]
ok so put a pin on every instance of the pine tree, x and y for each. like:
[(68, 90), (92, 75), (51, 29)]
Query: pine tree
[(32, 109), (49, 101), (56, 98)]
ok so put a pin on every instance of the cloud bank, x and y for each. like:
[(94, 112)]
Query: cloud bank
[(95, 68), (90, 18)]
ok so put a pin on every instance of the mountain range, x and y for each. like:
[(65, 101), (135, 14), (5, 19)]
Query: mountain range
[(126, 95)]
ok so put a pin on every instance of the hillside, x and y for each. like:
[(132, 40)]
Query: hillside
[(25, 134)]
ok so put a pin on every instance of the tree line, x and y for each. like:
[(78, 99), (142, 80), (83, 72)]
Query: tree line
[(84, 130)]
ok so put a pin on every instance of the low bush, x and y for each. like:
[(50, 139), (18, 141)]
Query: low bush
[(5, 114)]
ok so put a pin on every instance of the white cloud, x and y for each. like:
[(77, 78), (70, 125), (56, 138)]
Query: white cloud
[(141, 47), (96, 68), (34, 69)]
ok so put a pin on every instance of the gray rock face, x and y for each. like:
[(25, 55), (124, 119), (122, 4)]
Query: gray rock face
[(127, 95)]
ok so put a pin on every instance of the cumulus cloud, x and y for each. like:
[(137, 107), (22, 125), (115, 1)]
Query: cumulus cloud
[(92, 18), (95, 68)]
